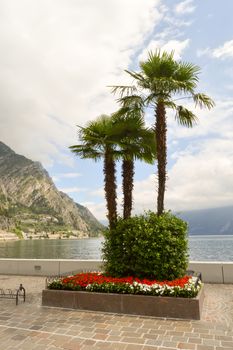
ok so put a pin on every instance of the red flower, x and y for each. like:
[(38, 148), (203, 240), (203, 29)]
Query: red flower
[(83, 279)]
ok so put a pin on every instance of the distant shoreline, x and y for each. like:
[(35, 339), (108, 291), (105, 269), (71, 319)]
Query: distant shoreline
[(11, 236)]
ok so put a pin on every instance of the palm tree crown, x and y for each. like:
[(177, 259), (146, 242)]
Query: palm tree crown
[(161, 82), (135, 142), (97, 142)]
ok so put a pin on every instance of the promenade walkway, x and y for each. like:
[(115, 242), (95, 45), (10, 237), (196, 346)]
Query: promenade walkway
[(30, 326)]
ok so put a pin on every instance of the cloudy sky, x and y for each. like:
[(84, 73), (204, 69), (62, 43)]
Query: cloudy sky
[(57, 59)]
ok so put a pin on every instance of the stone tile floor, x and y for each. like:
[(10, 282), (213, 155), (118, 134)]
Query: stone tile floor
[(30, 326)]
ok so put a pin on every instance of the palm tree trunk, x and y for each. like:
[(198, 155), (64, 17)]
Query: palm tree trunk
[(110, 187), (161, 140), (127, 185)]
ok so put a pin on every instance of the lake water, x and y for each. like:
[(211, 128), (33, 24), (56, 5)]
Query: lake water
[(212, 248)]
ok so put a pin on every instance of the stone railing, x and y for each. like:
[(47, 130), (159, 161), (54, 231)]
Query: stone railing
[(212, 272)]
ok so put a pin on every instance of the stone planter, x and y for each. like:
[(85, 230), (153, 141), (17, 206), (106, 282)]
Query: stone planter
[(170, 307)]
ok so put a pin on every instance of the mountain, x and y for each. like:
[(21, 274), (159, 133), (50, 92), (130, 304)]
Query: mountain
[(30, 202), (215, 221)]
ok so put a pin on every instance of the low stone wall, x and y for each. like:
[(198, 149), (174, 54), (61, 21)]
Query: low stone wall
[(46, 267), (212, 272), (169, 307)]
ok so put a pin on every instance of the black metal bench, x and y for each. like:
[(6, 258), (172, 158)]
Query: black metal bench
[(13, 294)]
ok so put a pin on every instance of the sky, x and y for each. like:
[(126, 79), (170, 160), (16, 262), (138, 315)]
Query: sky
[(57, 61)]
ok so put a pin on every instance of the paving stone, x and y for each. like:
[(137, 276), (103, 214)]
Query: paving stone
[(133, 347), (192, 335), (224, 337), (130, 334), (132, 340), (170, 344), (117, 346), (113, 338), (32, 327), (154, 342), (150, 336), (213, 342), (180, 339), (157, 331), (187, 346), (89, 342), (72, 345), (98, 336), (195, 340), (205, 347), (207, 336), (180, 334)]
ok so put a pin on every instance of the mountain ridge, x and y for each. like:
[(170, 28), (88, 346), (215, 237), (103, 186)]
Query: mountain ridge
[(215, 221), (29, 200)]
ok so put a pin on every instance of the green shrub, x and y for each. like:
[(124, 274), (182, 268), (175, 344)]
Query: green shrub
[(147, 246), (18, 232)]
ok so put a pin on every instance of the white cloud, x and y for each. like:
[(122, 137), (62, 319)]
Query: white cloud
[(60, 176), (178, 46), (217, 121), (98, 210), (57, 58), (145, 194), (70, 175), (98, 193), (197, 180), (224, 51), (202, 173), (73, 189), (203, 179), (184, 7)]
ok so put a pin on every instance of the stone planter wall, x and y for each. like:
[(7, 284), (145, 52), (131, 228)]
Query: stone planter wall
[(170, 307)]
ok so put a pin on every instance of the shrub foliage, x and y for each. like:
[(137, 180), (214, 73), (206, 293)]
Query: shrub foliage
[(147, 246)]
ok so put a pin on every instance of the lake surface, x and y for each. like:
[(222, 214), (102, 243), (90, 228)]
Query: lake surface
[(212, 248)]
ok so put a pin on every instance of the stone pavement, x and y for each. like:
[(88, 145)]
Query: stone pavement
[(30, 326)]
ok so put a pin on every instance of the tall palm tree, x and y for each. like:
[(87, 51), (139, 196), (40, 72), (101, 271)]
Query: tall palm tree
[(96, 143), (162, 82), (136, 142)]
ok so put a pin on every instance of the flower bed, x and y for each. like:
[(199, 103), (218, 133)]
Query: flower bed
[(181, 298), (186, 287)]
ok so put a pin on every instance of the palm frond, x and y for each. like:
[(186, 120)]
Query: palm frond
[(185, 117), (132, 102), (203, 100), (127, 125), (170, 104), (159, 65), (187, 72), (86, 152), (123, 90), (150, 99), (135, 75)]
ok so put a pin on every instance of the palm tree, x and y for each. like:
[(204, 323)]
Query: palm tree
[(161, 82), (96, 143), (136, 142)]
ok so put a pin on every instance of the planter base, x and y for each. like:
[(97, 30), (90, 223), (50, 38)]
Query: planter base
[(169, 307)]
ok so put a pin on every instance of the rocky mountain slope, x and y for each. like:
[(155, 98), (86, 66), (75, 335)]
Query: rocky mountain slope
[(30, 202)]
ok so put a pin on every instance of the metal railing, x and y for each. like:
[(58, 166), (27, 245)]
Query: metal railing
[(13, 294)]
